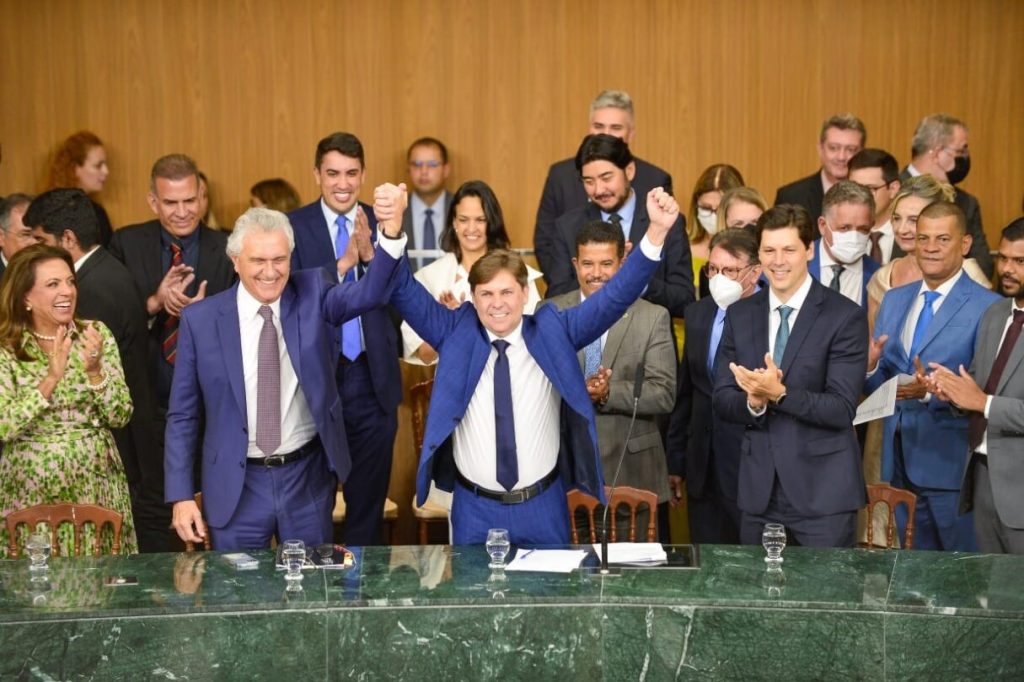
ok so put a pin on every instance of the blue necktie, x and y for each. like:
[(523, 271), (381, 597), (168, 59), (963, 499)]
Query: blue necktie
[(592, 358), (927, 313), (716, 338), (351, 343), (782, 336), (429, 238), (504, 420)]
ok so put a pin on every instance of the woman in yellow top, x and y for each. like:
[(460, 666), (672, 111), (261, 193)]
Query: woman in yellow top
[(61, 391)]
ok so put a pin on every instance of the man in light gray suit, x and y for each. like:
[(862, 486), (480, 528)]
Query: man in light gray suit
[(642, 335), (424, 219), (993, 393)]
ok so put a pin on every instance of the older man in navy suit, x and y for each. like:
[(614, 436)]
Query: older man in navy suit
[(367, 371), (257, 361), (841, 259), (790, 370), (511, 424)]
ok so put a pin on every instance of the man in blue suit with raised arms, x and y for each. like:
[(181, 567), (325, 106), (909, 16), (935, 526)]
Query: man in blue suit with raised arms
[(258, 362), (511, 424)]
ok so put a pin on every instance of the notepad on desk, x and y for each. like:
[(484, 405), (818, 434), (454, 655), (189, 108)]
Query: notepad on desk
[(547, 560), (640, 553)]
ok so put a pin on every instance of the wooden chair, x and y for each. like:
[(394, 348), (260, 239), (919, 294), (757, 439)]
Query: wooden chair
[(430, 513), (207, 545), (891, 497), (390, 516), (56, 514), (633, 498)]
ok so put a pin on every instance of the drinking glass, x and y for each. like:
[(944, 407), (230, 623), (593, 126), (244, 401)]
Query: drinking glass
[(774, 540), (497, 547), (38, 549), (294, 554)]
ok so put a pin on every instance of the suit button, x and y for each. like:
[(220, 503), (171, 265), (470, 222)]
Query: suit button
[(241, 464)]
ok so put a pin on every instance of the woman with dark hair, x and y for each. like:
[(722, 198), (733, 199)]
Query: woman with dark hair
[(702, 222), (275, 193), (81, 161), (61, 391), (474, 225)]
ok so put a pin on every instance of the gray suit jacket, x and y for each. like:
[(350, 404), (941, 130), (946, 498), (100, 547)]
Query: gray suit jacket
[(439, 220), (642, 334), (1006, 420)]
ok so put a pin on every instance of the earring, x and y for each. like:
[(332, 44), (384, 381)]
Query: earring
[(28, 307)]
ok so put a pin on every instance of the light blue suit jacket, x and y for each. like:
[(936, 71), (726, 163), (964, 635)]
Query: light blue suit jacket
[(934, 439), (209, 383), (552, 336)]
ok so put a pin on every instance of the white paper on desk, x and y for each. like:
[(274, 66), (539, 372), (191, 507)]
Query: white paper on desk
[(547, 560), (881, 403), (633, 552)]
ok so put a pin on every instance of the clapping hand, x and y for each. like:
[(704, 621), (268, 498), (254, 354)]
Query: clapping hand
[(92, 351), (761, 385), (958, 388)]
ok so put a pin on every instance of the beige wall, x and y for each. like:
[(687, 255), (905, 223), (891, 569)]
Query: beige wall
[(249, 87)]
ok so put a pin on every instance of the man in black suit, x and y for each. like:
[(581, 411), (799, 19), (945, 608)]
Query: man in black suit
[(174, 260), (611, 113), (939, 149), (704, 450), (424, 217), (877, 170), (607, 169), (106, 292), (790, 372), (14, 235), (842, 136)]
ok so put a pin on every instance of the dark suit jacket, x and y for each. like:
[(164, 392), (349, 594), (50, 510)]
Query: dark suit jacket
[(807, 192), (438, 227), (698, 438), (138, 247), (807, 440), (551, 336), (968, 203), (106, 292), (208, 380), (563, 191), (642, 335), (314, 249), (672, 284)]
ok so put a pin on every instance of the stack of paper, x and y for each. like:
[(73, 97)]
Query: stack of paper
[(547, 560), (633, 552)]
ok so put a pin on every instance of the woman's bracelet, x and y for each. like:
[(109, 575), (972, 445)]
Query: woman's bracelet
[(100, 386)]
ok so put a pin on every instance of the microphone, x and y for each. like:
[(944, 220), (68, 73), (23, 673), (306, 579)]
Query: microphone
[(638, 387)]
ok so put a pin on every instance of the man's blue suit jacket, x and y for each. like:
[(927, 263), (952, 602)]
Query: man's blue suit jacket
[(808, 439), (934, 439), (869, 269), (208, 380), (314, 249), (552, 336)]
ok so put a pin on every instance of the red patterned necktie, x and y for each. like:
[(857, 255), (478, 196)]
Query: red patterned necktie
[(170, 342)]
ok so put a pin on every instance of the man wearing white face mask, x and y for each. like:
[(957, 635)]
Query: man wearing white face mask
[(702, 449), (840, 258)]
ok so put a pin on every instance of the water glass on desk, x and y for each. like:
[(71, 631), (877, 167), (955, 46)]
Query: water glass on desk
[(497, 547), (294, 554), (774, 540), (38, 550)]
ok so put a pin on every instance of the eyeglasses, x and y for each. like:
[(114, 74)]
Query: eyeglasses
[(420, 165), (732, 273), (875, 188)]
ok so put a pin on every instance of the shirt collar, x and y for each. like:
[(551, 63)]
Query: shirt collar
[(166, 238), (419, 206), (796, 301), (626, 212), (913, 170), (514, 337), (886, 228), (249, 307), (944, 288), (81, 261), (331, 217)]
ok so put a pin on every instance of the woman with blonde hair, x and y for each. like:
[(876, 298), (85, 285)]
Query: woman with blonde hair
[(740, 208), (702, 221), (81, 161)]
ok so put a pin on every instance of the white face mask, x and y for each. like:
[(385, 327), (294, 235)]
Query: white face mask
[(848, 247), (725, 291), (708, 220)]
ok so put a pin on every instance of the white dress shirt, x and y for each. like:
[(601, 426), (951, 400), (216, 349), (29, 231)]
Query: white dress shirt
[(796, 302), (81, 261), (418, 209), (297, 425), (907, 334), (851, 281), (535, 404), (887, 241)]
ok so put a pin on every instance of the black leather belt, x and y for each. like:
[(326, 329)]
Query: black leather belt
[(517, 496), (272, 461), (342, 360)]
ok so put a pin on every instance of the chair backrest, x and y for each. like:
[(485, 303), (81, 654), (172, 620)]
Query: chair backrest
[(419, 397), (56, 514), (891, 497), (632, 498), (207, 545)]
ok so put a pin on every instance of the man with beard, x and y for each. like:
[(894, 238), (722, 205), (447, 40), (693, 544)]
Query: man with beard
[(994, 477), (607, 168)]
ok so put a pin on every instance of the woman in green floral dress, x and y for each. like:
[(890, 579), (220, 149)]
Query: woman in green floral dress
[(61, 391)]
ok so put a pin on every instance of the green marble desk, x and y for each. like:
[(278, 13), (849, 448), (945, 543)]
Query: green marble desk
[(432, 613)]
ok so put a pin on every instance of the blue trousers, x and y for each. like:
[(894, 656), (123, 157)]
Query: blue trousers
[(293, 501), (543, 520)]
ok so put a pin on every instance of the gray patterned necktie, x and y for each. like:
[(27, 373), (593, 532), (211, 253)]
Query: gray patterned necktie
[(268, 386)]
